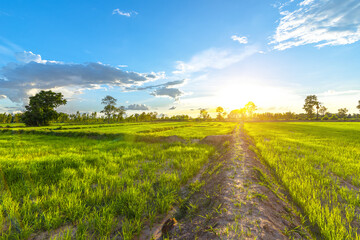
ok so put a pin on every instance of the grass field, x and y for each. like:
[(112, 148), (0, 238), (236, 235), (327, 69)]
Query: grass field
[(60, 177), (95, 188), (186, 130), (319, 164)]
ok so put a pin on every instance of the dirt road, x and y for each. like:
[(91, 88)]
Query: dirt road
[(235, 198)]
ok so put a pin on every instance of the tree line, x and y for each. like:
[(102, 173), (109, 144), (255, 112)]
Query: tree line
[(41, 111)]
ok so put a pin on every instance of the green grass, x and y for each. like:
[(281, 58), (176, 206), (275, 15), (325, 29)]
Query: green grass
[(186, 130), (12, 125), (319, 164), (101, 188)]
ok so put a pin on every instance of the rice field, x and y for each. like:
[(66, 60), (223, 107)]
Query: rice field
[(95, 188), (64, 182), (186, 130), (319, 165)]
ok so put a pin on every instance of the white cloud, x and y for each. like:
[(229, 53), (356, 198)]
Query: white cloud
[(137, 107), (321, 22), (2, 97), (213, 59), (339, 93), (22, 80), (122, 13), (242, 40), (27, 57)]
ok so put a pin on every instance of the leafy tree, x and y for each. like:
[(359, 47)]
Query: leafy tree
[(250, 108), (310, 102), (325, 118), (342, 112), (204, 114), (358, 106), (110, 108), (333, 117), (237, 114), (41, 108), (221, 113), (322, 110)]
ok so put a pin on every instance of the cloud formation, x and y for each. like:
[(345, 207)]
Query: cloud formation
[(122, 13), (2, 97), (27, 57), (168, 84), (163, 89), (338, 93), (19, 81), (168, 92), (172, 108), (241, 40), (321, 22), (138, 107), (213, 59)]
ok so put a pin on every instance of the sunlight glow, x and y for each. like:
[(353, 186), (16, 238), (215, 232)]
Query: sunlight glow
[(237, 95)]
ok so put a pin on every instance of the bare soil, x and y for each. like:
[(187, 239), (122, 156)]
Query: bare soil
[(237, 199)]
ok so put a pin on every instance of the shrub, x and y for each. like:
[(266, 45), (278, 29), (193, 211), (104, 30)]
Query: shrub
[(333, 117), (325, 118)]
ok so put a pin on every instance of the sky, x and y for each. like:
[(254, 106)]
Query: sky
[(176, 57)]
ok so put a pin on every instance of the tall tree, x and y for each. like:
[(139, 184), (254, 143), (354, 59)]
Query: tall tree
[(342, 112), (41, 108), (322, 110), (310, 102), (109, 108), (358, 106), (204, 114), (220, 112), (250, 108)]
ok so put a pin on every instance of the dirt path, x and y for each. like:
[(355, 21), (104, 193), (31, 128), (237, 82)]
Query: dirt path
[(236, 198)]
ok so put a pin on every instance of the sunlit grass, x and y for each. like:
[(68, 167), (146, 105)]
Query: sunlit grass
[(97, 187), (319, 165)]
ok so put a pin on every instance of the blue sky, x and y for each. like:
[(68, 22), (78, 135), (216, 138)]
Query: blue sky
[(183, 55)]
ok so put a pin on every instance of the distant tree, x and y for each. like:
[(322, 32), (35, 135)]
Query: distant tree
[(342, 112), (41, 108), (221, 113), (110, 108), (322, 110), (333, 117), (250, 108), (325, 118), (121, 112), (358, 106), (204, 114), (310, 102)]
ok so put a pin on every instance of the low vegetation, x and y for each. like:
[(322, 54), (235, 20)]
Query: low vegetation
[(91, 188), (318, 164)]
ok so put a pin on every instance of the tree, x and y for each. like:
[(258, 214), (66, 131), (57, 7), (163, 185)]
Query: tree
[(310, 102), (358, 106), (109, 108), (221, 113), (322, 110), (204, 114), (250, 108), (342, 112), (41, 108)]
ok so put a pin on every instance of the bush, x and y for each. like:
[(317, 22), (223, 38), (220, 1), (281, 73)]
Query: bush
[(325, 118), (333, 117)]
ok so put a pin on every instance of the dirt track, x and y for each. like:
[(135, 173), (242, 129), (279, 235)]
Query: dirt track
[(235, 198)]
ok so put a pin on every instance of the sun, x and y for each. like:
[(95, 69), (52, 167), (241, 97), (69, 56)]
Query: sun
[(236, 96)]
